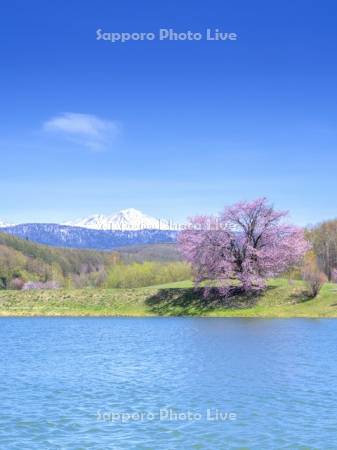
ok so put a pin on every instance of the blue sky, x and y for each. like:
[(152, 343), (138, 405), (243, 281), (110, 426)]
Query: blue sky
[(171, 128)]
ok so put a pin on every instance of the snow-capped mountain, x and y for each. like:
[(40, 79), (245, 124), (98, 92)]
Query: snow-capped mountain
[(124, 228), (76, 237), (124, 220), (4, 224)]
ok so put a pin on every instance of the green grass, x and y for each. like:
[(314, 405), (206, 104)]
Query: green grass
[(280, 299)]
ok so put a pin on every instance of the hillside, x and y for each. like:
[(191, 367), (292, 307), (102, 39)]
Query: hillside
[(27, 261)]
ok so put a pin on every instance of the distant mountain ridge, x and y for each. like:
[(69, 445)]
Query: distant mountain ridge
[(100, 232), (76, 237)]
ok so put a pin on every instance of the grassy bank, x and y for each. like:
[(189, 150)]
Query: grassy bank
[(281, 299)]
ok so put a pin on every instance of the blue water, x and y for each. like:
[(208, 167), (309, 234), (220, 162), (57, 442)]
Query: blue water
[(72, 383)]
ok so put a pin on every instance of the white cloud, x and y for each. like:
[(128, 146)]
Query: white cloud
[(83, 129)]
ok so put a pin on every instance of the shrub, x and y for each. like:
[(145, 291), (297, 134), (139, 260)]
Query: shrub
[(334, 275), (40, 285), (16, 283)]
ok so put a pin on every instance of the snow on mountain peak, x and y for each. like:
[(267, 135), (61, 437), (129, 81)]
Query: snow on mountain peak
[(4, 224), (125, 219)]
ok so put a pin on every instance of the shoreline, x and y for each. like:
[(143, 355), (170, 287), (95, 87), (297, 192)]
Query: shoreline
[(151, 316), (280, 300)]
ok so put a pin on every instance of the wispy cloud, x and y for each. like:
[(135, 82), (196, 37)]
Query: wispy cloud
[(83, 129)]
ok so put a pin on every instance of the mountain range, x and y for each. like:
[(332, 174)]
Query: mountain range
[(125, 228)]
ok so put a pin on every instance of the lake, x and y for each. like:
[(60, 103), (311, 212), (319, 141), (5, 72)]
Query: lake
[(168, 383)]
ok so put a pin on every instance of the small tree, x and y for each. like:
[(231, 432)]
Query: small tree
[(313, 277), (248, 243)]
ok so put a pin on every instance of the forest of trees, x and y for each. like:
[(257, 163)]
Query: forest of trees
[(23, 261), (147, 273), (323, 238), (27, 265)]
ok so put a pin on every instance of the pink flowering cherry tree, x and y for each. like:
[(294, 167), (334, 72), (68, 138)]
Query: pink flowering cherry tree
[(248, 243)]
